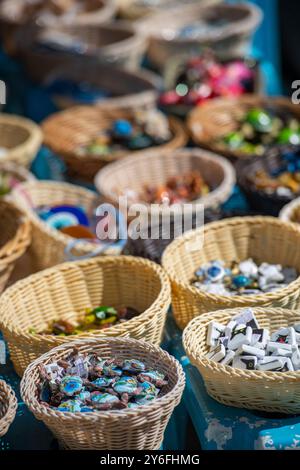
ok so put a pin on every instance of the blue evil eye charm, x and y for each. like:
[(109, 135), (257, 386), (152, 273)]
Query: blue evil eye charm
[(215, 272), (148, 389), (71, 385), (103, 382), (59, 217), (126, 385), (104, 398), (122, 128), (72, 406), (132, 365), (240, 281)]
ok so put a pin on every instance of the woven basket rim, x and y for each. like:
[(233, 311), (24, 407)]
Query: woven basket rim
[(162, 298), (287, 211), (170, 396), (20, 171), (7, 419), (213, 226), (219, 193), (194, 326)]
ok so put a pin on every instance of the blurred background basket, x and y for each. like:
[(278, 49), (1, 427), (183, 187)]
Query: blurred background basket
[(139, 428), (232, 39), (8, 407), (20, 137), (15, 238), (66, 291), (49, 245), (154, 169), (216, 118), (265, 239), (67, 131), (288, 212), (256, 390)]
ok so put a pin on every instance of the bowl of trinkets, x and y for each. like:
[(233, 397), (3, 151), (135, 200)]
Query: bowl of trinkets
[(245, 127), (103, 296), (8, 407), (242, 261), (105, 393), (87, 137), (248, 358)]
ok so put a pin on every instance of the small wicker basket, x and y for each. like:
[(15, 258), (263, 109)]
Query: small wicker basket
[(154, 168), (218, 117), (266, 391), (265, 239), (8, 407), (49, 245), (15, 237), (21, 138), (65, 291), (139, 428), (67, 131), (227, 41)]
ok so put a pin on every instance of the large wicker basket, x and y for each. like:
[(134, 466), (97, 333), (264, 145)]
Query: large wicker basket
[(49, 245), (266, 391), (265, 239), (216, 118), (139, 428), (228, 41), (66, 131), (20, 137), (8, 407), (65, 291), (15, 237), (155, 168)]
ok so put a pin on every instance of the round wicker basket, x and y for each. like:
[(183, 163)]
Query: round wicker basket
[(266, 391), (232, 39), (49, 245), (67, 131), (139, 428), (8, 407), (21, 138), (265, 239), (65, 291), (218, 117), (155, 168), (15, 237)]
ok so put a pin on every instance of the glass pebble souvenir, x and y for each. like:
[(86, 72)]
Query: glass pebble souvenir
[(71, 385)]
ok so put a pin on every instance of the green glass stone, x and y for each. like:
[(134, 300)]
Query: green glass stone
[(260, 120), (288, 136)]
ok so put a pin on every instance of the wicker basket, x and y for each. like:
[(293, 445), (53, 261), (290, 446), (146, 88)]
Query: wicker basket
[(155, 168), (21, 137), (66, 131), (216, 118), (127, 90), (18, 173), (229, 41), (266, 391), (15, 237), (49, 245), (8, 407), (265, 239), (287, 212), (139, 428), (65, 291)]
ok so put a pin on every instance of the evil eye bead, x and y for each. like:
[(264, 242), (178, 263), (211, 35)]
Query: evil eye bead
[(215, 273), (122, 128), (103, 398), (126, 385), (71, 385), (72, 406), (240, 281), (132, 365)]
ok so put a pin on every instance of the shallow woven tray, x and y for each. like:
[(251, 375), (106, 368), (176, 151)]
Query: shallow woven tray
[(21, 137), (218, 117), (258, 390), (15, 237), (64, 292), (8, 407), (66, 131), (266, 239), (139, 428), (48, 244), (155, 168), (233, 40)]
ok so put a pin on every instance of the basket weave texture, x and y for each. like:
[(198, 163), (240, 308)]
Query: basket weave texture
[(21, 137), (48, 244), (139, 428), (15, 237), (8, 407), (258, 390), (64, 292), (265, 239), (19, 173)]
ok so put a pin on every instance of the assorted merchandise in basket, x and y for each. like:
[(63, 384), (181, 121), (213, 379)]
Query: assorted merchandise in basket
[(138, 227)]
